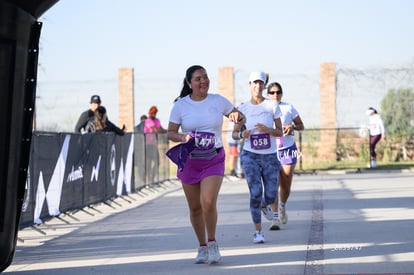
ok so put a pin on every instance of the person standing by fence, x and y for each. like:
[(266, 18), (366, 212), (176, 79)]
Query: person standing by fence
[(233, 151), (139, 128), (199, 114), (376, 133), (88, 115), (152, 128), (286, 146), (100, 123)]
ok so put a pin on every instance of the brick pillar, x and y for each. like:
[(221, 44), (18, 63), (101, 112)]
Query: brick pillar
[(328, 111), (226, 86), (226, 82), (226, 89), (126, 98)]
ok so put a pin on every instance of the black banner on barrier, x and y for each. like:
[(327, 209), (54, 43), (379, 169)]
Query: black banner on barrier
[(71, 171), (93, 165)]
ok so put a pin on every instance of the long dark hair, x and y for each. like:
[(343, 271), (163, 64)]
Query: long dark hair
[(274, 84), (186, 90), (373, 109), (100, 118)]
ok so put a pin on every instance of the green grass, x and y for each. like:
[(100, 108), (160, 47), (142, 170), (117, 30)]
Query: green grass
[(353, 165)]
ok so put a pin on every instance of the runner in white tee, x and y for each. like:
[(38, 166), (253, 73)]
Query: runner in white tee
[(259, 157), (287, 150)]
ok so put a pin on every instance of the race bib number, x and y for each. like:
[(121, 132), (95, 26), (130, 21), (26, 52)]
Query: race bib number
[(260, 141), (205, 140)]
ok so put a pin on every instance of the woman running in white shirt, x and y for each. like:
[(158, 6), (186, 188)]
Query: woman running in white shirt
[(287, 150), (259, 158)]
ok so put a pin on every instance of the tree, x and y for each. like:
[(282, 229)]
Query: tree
[(397, 113)]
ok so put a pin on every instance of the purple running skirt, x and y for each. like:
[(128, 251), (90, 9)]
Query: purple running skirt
[(195, 170)]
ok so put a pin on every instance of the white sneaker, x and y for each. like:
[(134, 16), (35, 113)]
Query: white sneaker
[(283, 218), (258, 237), (267, 212), (202, 255), (213, 252), (275, 225), (373, 164)]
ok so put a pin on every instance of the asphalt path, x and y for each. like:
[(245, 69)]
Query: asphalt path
[(341, 223)]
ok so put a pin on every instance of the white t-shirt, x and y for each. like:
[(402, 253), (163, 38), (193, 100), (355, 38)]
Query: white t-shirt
[(265, 113), (375, 125), (289, 113), (202, 116)]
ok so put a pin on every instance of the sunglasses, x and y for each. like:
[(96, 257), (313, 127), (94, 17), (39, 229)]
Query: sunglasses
[(275, 92)]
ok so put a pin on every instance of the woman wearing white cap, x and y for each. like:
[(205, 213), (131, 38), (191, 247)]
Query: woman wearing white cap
[(259, 155), (376, 133)]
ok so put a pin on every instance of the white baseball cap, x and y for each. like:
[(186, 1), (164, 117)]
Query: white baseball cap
[(257, 76)]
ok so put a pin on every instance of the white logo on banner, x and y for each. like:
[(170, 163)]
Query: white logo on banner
[(125, 174), (40, 198), (95, 169), (52, 195), (112, 164), (75, 174), (54, 190), (27, 194)]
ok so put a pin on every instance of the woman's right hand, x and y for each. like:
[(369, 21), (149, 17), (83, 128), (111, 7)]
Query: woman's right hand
[(186, 137)]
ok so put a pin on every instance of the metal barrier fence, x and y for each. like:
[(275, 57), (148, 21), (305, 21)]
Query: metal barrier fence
[(326, 148), (348, 148), (69, 171), (344, 148), (321, 149), (150, 162)]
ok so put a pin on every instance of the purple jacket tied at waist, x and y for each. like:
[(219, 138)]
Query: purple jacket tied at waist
[(179, 153)]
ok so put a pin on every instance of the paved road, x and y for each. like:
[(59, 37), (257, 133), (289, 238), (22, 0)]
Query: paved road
[(338, 224)]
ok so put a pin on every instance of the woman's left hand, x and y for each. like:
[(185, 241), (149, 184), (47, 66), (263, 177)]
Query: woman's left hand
[(287, 129), (237, 117)]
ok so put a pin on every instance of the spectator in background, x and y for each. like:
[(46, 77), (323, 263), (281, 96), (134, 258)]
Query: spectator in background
[(139, 128), (88, 114), (239, 169), (376, 133), (152, 128), (100, 123), (140, 142), (233, 151)]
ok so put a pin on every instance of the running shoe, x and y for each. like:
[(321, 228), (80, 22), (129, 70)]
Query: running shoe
[(258, 237), (202, 255), (283, 218), (275, 225), (213, 252), (267, 212)]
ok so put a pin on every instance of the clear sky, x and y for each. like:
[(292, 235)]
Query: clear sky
[(84, 42)]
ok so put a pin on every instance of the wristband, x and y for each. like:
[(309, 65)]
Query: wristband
[(241, 135)]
